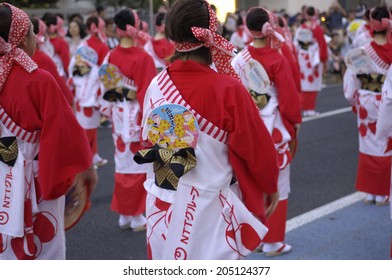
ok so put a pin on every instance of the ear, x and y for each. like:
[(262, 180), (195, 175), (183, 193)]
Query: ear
[(23, 44)]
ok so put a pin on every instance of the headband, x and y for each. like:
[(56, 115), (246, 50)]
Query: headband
[(99, 30), (222, 51), (20, 26), (133, 31)]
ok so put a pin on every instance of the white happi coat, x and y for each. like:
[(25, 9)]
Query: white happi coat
[(203, 218), (310, 66), (123, 116), (86, 95), (30, 228), (384, 123), (367, 104)]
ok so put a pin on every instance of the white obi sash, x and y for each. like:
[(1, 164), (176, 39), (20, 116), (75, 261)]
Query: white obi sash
[(203, 218), (30, 228)]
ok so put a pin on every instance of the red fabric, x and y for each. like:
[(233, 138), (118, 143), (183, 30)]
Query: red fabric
[(279, 73), (62, 49), (9, 51), (136, 64), (294, 66), (225, 102), (384, 51), (45, 62), (308, 100), (163, 48), (318, 34), (39, 104), (92, 135), (101, 49), (374, 174), (276, 223), (129, 196)]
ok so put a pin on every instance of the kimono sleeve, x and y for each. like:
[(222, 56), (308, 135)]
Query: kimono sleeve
[(319, 36), (64, 150), (384, 123), (351, 85), (252, 153), (288, 97)]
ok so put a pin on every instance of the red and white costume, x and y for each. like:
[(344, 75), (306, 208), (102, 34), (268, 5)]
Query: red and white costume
[(177, 226), (43, 124), (311, 60), (129, 196), (384, 123), (374, 166), (280, 115)]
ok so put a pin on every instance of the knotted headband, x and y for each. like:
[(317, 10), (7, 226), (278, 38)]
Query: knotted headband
[(268, 31), (20, 26), (99, 30), (221, 50), (384, 24), (133, 31), (58, 27)]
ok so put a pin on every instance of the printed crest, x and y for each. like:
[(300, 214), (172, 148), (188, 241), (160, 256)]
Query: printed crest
[(358, 61), (304, 35), (256, 77), (173, 127)]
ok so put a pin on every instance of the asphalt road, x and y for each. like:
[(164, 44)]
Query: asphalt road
[(323, 170)]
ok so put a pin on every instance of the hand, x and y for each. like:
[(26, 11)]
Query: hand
[(296, 128), (90, 178), (271, 201)]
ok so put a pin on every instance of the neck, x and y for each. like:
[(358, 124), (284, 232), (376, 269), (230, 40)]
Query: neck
[(380, 39), (126, 42), (159, 36), (260, 43)]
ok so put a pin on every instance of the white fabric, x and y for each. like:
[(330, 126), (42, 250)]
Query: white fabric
[(270, 113), (365, 100), (123, 116), (284, 183), (200, 220), (311, 68), (159, 63), (26, 221), (384, 122), (86, 95)]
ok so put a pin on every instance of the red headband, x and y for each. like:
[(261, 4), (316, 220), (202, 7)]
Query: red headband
[(133, 31), (221, 50), (20, 26), (268, 31), (99, 31), (384, 24)]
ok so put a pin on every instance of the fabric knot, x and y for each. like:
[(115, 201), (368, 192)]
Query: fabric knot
[(4, 46), (203, 35)]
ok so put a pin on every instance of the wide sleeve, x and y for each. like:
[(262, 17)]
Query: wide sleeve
[(252, 153), (144, 74), (351, 85), (288, 97), (384, 123), (64, 150), (319, 36), (64, 54)]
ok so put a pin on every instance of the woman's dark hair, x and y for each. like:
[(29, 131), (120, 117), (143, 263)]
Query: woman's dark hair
[(82, 29), (378, 13), (124, 17), (160, 19), (75, 16), (183, 15), (35, 23), (91, 20), (256, 18), (5, 21), (240, 21), (49, 19), (310, 11)]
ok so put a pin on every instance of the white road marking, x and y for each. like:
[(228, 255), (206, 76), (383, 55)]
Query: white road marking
[(324, 210), (327, 114)]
